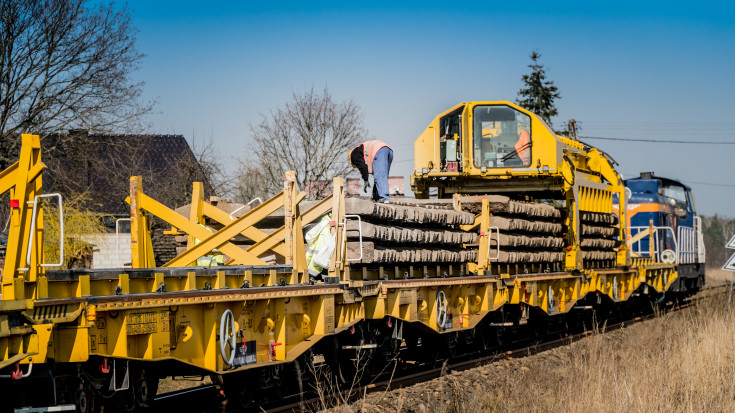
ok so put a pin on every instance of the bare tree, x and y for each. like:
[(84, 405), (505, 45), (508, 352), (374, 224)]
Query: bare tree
[(250, 182), (211, 165), (310, 135), (66, 64)]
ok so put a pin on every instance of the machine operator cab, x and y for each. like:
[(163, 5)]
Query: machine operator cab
[(473, 143), (501, 137)]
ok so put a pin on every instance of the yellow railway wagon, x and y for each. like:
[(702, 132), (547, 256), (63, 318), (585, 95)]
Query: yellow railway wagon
[(105, 337)]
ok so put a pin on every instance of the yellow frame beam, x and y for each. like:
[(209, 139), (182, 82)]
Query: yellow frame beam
[(23, 182), (244, 225), (221, 239), (252, 233)]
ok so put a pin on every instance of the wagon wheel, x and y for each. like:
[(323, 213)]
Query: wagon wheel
[(227, 337), (442, 306)]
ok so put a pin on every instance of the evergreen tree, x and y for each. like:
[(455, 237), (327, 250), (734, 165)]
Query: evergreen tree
[(539, 94), (715, 231)]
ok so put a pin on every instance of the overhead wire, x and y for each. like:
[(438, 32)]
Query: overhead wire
[(658, 140), (686, 142), (710, 184)]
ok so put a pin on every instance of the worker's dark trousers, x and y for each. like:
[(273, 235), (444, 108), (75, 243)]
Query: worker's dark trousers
[(381, 169)]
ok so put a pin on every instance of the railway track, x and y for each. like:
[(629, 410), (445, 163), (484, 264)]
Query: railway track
[(192, 399), (210, 398)]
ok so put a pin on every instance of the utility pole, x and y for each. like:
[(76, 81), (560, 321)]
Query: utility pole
[(572, 128)]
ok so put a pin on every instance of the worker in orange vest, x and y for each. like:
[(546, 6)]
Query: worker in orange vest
[(374, 157), (523, 148)]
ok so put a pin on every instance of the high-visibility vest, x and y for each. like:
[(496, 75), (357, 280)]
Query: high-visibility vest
[(214, 258), (523, 148), (370, 149), (211, 260)]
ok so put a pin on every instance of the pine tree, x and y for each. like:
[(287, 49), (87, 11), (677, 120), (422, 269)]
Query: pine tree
[(539, 94)]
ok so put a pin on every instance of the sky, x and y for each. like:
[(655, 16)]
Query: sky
[(632, 70)]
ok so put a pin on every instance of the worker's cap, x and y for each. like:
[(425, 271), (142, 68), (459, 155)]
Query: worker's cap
[(349, 157)]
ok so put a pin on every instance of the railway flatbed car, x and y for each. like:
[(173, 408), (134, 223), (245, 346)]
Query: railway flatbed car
[(521, 240)]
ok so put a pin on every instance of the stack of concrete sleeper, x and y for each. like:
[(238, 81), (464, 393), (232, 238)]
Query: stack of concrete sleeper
[(597, 235), (529, 232), (408, 234)]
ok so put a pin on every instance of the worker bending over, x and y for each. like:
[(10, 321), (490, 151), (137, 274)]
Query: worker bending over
[(374, 157)]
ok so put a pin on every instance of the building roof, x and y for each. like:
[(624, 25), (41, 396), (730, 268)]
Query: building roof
[(101, 166)]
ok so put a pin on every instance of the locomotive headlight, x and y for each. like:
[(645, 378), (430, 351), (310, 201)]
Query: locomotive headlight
[(483, 169), (672, 202)]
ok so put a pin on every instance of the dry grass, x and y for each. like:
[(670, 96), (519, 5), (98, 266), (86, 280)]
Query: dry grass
[(680, 362), (716, 276)]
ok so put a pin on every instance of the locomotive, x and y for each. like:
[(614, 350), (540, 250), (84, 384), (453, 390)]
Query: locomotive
[(668, 205)]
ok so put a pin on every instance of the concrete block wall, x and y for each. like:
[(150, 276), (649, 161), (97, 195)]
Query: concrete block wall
[(110, 250)]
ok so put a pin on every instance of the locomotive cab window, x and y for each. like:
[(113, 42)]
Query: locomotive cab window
[(676, 192), (692, 205), (502, 137)]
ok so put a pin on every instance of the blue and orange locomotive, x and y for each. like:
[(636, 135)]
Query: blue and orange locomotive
[(666, 208)]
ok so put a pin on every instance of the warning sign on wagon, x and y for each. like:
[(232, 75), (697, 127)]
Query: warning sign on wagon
[(147, 323)]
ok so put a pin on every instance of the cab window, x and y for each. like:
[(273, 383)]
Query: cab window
[(676, 192), (502, 137), (692, 206)]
